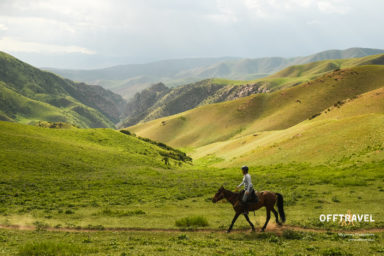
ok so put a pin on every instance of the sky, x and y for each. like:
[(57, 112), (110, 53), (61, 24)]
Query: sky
[(88, 34)]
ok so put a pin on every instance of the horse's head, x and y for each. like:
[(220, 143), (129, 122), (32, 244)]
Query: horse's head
[(219, 195)]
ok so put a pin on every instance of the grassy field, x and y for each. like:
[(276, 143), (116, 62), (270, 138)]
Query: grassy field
[(100, 178), (185, 243), (77, 191)]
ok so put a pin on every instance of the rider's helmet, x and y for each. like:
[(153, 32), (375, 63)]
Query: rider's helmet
[(245, 169)]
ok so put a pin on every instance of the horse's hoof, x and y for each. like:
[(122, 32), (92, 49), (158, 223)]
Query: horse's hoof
[(279, 223), (228, 231), (262, 230), (253, 230)]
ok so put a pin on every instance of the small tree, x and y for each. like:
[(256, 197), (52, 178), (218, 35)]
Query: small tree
[(166, 160)]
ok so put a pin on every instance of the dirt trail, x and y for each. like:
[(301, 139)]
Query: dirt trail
[(273, 229)]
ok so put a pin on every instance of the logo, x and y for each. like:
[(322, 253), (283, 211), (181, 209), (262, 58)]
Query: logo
[(347, 219)]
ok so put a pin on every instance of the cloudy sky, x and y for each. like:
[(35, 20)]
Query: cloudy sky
[(99, 33)]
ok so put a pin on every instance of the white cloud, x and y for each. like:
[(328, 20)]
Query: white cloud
[(333, 7), (14, 45), (277, 9), (152, 29)]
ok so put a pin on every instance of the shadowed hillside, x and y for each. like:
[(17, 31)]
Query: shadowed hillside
[(129, 79), (28, 94)]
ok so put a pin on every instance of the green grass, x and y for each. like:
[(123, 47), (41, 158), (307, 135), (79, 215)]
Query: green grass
[(25, 110), (101, 178), (91, 177), (28, 94), (51, 249), (187, 243)]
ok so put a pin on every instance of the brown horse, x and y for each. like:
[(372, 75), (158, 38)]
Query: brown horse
[(266, 198)]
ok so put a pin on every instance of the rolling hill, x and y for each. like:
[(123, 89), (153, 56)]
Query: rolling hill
[(144, 107), (126, 80), (28, 95), (338, 114), (86, 150)]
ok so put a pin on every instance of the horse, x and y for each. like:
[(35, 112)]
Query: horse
[(266, 198)]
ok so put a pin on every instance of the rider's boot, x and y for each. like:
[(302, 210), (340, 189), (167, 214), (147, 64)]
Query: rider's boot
[(245, 207)]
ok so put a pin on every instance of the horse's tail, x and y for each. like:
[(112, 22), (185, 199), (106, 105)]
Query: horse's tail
[(280, 207)]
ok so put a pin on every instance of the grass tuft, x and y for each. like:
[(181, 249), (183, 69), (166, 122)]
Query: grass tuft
[(49, 249), (193, 221)]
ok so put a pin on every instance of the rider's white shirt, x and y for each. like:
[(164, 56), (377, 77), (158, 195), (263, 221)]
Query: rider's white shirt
[(246, 182)]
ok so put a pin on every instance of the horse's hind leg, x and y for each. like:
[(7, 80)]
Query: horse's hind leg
[(276, 216), (266, 222), (250, 223)]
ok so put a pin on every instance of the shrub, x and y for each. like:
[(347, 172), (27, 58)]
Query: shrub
[(314, 116), (335, 252), (292, 235), (194, 221), (48, 249), (121, 213), (182, 237), (126, 132), (40, 226), (95, 227), (171, 152), (69, 212)]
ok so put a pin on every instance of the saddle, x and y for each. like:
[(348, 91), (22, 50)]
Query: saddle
[(253, 198)]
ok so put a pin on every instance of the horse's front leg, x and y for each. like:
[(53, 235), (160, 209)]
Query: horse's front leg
[(233, 221)]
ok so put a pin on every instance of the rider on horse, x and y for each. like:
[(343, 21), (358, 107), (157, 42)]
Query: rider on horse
[(248, 188)]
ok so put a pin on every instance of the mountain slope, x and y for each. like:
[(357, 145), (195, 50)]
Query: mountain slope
[(82, 151), (352, 130), (129, 79), (353, 139), (263, 112), (182, 98), (29, 94)]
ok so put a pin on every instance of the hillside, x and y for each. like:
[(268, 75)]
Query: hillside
[(244, 126), (183, 98), (126, 80), (29, 94), (27, 148)]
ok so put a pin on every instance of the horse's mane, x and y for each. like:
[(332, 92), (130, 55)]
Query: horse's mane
[(233, 192)]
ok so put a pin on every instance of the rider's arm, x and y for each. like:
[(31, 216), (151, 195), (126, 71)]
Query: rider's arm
[(241, 184)]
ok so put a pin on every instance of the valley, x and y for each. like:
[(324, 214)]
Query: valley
[(312, 132)]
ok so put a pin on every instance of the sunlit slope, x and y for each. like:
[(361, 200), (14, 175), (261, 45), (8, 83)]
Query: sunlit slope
[(357, 138), (320, 67), (63, 151), (351, 130), (264, 112)]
